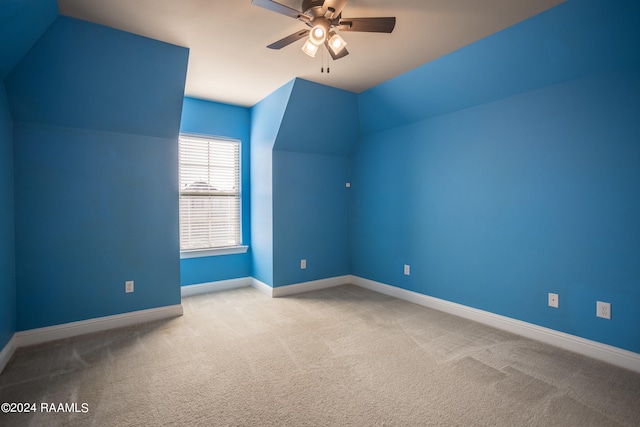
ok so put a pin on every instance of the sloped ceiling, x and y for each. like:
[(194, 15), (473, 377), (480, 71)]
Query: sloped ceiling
[(319, 120), (229, 62), (82, 75), (575, 39), (22, 22)]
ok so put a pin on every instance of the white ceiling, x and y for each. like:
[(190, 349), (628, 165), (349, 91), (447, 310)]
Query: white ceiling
[(229, 61)]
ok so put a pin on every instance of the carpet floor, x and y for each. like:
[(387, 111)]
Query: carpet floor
[(344, 356)]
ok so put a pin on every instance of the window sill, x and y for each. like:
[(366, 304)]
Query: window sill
[(200, 253)]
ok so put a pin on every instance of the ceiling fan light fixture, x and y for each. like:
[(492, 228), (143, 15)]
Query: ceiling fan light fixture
[(310, 48), (336, 43), (318, 33)]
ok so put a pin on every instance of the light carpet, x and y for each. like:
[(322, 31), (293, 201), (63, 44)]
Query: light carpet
[(344, 356)]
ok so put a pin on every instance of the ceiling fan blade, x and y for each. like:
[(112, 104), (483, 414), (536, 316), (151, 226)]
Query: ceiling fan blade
[(289, 39), (336, 5), (344, 52), (368, 25), (277, 7)]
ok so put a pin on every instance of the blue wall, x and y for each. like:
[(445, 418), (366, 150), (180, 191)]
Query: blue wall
[(266, 118), (96, 119), (310, 169), (22, 22), (496, 205), (319, 119), (93, 209), (301, 138), (7, 248), (215, 119), (311, 216), (83, 75)]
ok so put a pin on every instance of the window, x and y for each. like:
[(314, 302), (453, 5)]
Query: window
[(209, 193)]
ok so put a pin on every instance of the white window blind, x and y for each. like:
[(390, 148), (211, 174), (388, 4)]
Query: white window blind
[(209, 193)]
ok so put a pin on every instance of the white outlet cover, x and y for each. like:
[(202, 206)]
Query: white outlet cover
[(128, 286), (603, 310), (553, 300), (407, 270), (303, 264)]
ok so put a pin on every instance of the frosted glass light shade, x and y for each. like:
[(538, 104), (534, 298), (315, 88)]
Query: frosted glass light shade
[(336, 43), (310, 48)]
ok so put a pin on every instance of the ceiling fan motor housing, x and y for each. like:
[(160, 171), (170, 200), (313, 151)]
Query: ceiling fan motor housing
[(312, 8)]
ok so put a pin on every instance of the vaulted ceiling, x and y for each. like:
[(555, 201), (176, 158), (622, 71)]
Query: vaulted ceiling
[(229, 61)]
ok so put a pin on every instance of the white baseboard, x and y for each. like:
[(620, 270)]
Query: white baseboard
[(7, 352), (262, 287), (67, 330), (221, 285), (613, 355), (313, 285), (299, 288)]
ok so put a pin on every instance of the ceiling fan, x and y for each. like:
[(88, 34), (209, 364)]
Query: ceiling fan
[(324, 17)]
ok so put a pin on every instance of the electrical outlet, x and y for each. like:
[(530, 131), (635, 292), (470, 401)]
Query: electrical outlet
[(553, 300), (407, 270), (128, 286), (603, 309), (303, 264)]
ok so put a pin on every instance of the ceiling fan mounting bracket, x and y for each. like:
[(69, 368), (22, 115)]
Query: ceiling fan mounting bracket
[(308, 5), (314, 12), (304, 18), (330, 13)]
